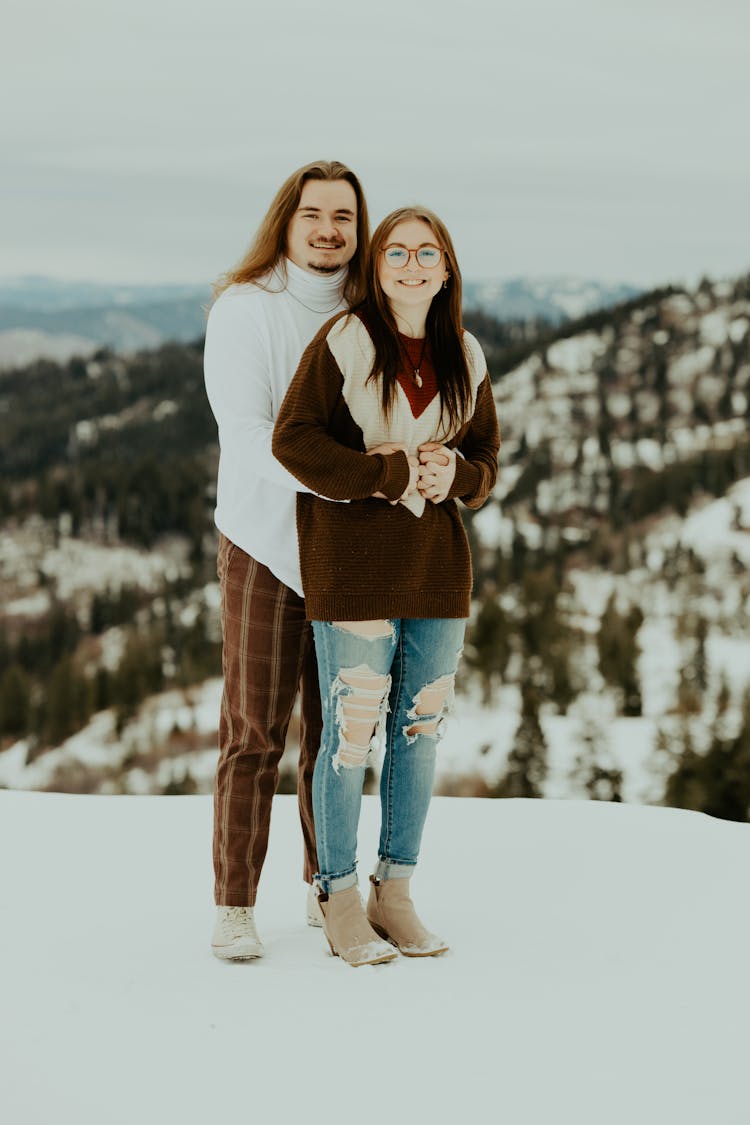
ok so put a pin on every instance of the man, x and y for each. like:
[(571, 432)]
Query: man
[(306, 264)]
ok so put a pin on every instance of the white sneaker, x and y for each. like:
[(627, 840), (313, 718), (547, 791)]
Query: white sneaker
[(314, 913), (235, 937)]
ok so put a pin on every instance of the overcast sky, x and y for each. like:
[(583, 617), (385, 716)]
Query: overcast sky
[(143, 140)]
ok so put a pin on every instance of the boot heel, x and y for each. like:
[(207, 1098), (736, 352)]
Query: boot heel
[(382, 933), (348, 933)]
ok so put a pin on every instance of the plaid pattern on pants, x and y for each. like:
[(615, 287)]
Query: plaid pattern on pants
[(268, 655)]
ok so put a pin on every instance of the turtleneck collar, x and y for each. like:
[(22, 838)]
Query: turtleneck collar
[(320, 292)]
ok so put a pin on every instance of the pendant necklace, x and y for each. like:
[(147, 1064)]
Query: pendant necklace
[(415, 370)]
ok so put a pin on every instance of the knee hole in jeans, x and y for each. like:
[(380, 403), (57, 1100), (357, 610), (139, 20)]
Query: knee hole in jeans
[(361, 709), (432, 701)]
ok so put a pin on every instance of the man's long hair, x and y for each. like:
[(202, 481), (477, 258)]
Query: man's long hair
[(269, 246), (444, 323)]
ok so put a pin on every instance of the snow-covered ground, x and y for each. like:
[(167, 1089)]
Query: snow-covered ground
[(597, 973)]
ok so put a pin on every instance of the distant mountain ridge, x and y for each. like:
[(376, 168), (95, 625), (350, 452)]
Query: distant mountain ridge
[(122, 328), (554, 299), (49, 294), (47, 318)]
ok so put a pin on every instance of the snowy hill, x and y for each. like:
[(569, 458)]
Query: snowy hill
[(608, 651), (597, 973)]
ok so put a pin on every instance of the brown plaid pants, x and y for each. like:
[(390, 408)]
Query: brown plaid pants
[(268, 655)]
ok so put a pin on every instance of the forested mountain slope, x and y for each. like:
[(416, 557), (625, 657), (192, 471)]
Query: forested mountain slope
[(611, 598)]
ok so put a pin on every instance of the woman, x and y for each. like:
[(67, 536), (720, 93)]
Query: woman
[(391, 402)]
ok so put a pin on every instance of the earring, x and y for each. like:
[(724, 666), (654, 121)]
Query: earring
[(445, 282)]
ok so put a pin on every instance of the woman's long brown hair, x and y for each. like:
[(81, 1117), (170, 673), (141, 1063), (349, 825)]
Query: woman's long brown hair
[(444, 323), (269, 246)]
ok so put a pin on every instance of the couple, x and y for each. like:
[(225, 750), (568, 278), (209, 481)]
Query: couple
[(352, 409)]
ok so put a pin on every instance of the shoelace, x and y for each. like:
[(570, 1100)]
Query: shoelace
[(238, 922)]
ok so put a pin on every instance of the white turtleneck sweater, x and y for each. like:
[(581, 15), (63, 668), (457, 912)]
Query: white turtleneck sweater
[(254, 341)]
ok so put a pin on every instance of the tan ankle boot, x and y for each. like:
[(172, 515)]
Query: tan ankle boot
[(392, 915), (350, 935)]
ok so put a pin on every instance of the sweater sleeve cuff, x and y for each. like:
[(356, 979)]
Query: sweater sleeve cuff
[(466, 481), (395, 479)]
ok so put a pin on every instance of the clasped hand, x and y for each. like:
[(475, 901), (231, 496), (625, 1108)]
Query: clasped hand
[(431, 473)]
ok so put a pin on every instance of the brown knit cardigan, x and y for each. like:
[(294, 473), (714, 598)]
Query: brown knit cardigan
[(367, 559)]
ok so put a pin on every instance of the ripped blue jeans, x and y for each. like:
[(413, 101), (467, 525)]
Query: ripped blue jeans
[(382, 691)]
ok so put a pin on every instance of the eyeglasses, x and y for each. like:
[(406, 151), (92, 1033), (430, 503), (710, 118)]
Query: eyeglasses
[(398, 256)]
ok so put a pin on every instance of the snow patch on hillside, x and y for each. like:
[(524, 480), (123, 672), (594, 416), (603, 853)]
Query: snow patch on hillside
[(721, 527)]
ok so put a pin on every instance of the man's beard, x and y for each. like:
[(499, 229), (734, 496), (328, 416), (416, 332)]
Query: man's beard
[(320, 267), (317, 268)]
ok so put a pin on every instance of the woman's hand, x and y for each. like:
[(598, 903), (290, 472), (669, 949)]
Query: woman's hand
[(413, 484), (437, 470)]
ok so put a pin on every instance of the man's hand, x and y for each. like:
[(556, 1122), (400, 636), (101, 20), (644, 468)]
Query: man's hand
[(387, 447), (411, 486), (437, 470)]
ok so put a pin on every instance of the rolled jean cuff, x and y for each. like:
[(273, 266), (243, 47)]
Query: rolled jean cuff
[(330, 884), (392, 869)]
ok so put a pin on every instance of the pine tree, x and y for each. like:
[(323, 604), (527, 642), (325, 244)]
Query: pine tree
[(527, 762), (546, 638), (185, 786), (15, 701), (488, 645), (723, 696), (595, 769), (67, 703), (717, 781), (618, 653)]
